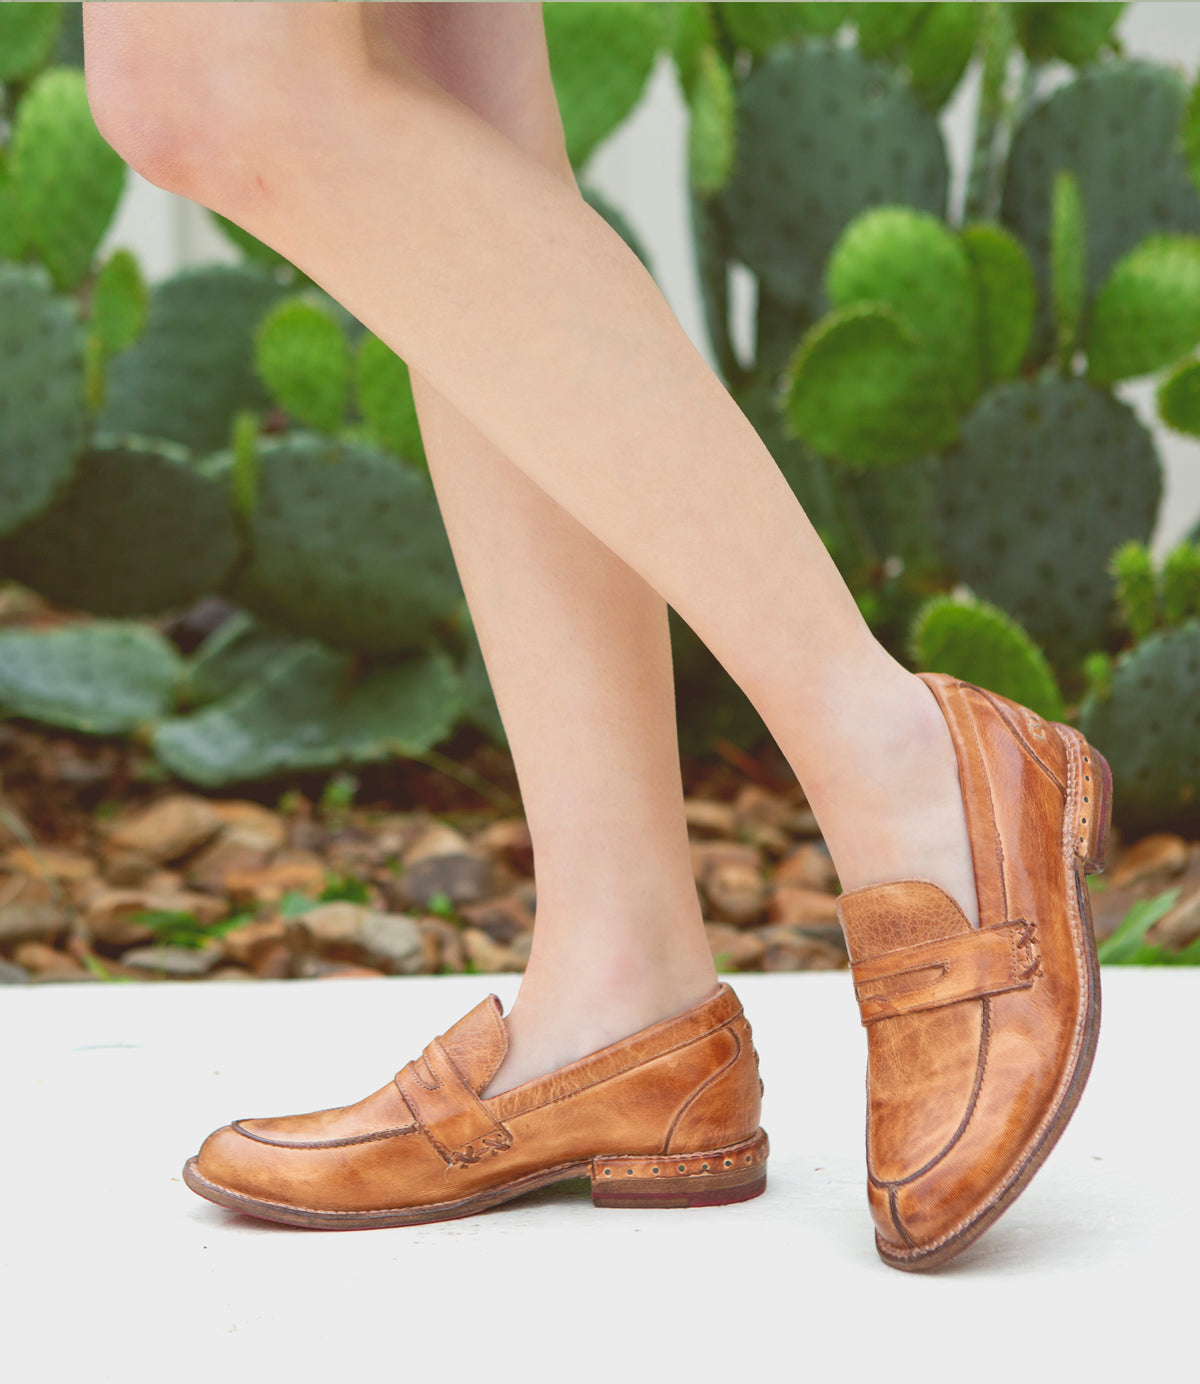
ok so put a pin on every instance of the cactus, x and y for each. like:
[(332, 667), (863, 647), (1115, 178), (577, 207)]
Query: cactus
[(1116, 128), (234, 654), (1180, 583), (66, 178), (1147, 313), (939, 49), (301, 355), (1007, 297), (1068, 262), (600, 59), (104, 677), (384, 395), (1178, 398), (120, 301), (973, 640), (43, 419), (1148, 728), (1132, 569), (137, 531), (1075, 33), (191, 369), (761, 27), (28, 34), (711, 131), (345, 545), (882, 27), (1050, 476), (822, 135), (306, 711)]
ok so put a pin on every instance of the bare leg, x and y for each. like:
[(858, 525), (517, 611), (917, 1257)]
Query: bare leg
[(493, 279)]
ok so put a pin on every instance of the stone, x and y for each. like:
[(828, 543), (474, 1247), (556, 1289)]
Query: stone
[(1179, 928), (503, 919), (435, 840), (731, 880), (462, 878), (128, 869), (40, 960), (51, 863), (808, 866), (246, 945), (1161, 853), (734, 949), (341, 970), (708, 818), (333, 929), (488, 957), (793, 949), (35, 921), (508, 840), (230, 973), (298, 871), (235, 849), (253, 817), (276, 963), (443, 945), (796, 905), (111, 914), (174, 963), (169, 828), (757, 807), (802, 821), (392, 942), (11, 974)]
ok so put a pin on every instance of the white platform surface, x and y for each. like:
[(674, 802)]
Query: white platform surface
[(111, 1269)]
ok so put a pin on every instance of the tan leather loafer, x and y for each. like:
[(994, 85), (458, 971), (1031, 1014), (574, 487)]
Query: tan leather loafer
[(980, 1039), (668, 1117)]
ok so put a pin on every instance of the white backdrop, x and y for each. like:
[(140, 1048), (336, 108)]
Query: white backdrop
[(641, 169)]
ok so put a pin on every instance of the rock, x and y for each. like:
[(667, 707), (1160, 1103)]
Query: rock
[(128, 869), (1109, 907), (508, 840), (462, 878), (246, 945), (1161, 853), (802, 821), (443, 945), (236, 849), (175, 963), (230, 973), (253, 817), (488, 957), (111, 914), (301, 871), (1179, 928), (708, 818), (50, 863), (393, 943), (276, 963), (12, 975), (435, 840), (503, 919), (45, 962), (341, 970), (796, 905), (735, 949), (808, 866), (792, 949), (730, 877), (34, 921), (333, 929), (169, 828)]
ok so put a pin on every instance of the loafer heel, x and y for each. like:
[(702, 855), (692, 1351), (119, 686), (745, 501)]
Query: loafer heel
[(717, 1177)]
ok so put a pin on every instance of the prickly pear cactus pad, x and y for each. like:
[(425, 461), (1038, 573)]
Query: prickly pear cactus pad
[(234, 654), (1007, 296), (192, 368), (307, 711), (347, 545), (1179, 399), (973, 640), (138, 531), (301, 355), (1049, 477), (68, 180), (1147, 313), (383, 392), (600, 58), (1148, 728), (43, 416), (28, 34), (760, 27), (105, 677), (822, 135), (1116, 127), (120, 301)]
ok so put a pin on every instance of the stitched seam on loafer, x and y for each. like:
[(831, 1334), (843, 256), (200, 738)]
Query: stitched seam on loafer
[(700, 1090), (372, 1137)]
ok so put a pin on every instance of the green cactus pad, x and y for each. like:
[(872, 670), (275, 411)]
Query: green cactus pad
[(383, 392), (940, 48), (1068, 259), (861, 388), (1117, 129), (973, 640), (1050, 476), (347, 546), (120, 301), (914, 263), (1180, 583), (711, 132), (600, 59), (1147, 314), (823, 135), (192, 368), (1148, 728), (104, 677), (28, 34), (308, 711), (138, 531), (1179, 399), (1076, 33), (12, 232), (43, 415), (68, 180), (1007, 295), (301, 355), (883, 26), (688, 30), (1132, 569), (760, 27), (234, 654)]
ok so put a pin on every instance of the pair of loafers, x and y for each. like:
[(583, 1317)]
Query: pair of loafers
[(980, 1040)]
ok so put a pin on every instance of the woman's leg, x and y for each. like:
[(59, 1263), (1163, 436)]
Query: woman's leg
[(503, 289)]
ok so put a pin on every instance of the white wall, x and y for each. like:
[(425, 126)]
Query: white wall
[(642, 169)]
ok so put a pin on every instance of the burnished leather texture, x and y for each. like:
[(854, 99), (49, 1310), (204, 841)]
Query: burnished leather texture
[(673, 1112), (980, 1039)]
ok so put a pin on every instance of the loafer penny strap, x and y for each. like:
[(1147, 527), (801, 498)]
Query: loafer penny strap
[(968, 965), (450, 1115)]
